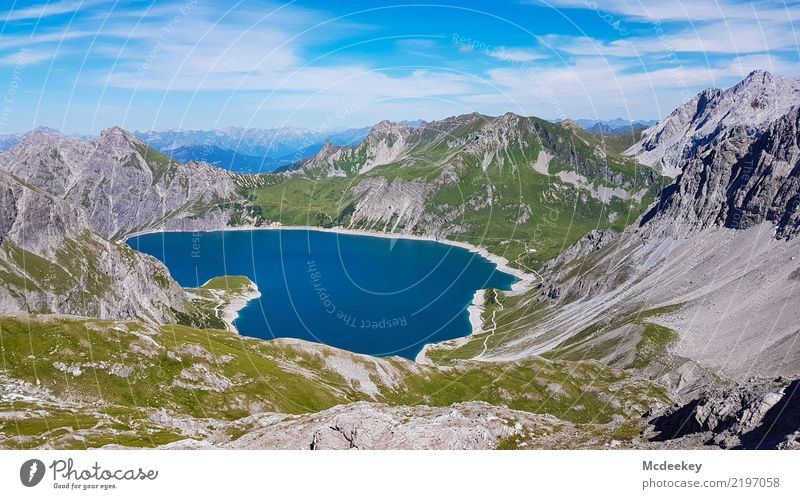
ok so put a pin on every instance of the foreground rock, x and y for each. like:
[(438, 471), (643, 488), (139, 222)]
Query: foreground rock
[(757, 415), (471, 425)]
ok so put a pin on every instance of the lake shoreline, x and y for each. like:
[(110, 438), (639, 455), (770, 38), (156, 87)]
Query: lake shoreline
[(524, 281), (475, 311)]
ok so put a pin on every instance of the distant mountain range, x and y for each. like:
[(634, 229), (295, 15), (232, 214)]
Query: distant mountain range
[(247, 150), (264, 150), (9, 140), (616, 126)]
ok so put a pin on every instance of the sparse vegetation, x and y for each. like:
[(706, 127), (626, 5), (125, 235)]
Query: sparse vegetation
[(110, 375)]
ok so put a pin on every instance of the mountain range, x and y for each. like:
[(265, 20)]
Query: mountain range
[(262, 150), (247, 150), (617, 126), (662, 310)]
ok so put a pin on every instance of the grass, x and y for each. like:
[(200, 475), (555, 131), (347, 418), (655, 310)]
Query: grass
[(512, 322), (161, 165), (205, 308), (282, 376), (302, 201), (230, 284), (653, 345)]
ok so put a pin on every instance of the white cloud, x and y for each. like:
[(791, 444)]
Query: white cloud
[(48, 9), (692, 11), (516, 54), (26, 57)]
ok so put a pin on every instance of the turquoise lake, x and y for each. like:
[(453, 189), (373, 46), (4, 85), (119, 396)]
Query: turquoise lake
[(370, 295)]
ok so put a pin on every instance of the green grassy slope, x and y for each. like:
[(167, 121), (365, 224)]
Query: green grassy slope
[(503, 205), (102, 380)]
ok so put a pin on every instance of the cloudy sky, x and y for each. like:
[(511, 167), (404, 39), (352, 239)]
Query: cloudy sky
[(85, 65)]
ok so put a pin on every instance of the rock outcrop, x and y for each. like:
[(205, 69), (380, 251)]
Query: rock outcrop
[(738, 179), (757, 415), (121, 184), (51, 262), (374, 426), (384, 144), (746, 108), (363, 425)]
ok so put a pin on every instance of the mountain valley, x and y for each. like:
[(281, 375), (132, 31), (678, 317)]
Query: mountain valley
[(660, 311)]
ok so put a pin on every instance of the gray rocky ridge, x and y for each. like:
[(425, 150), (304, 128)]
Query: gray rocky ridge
[(51, 262), (748, 106), (122, 185)]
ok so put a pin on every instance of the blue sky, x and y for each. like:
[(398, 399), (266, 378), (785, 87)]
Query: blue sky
[(82, 66)]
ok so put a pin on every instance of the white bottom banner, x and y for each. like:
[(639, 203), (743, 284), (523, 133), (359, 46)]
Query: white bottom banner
[(618, 474)]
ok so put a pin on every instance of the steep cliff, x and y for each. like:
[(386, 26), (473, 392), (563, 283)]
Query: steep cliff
[(747, 108), (51, 262), (122, 185)]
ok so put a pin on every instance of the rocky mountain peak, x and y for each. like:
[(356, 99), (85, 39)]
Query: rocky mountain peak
[(757, 77), (738, 180), (509, 119), (753, 103), (119, 139), (116, 131), (389, 128), (327, 148), (571, 124), (453, 122)]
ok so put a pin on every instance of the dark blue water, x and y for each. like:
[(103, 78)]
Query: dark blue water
[(365, 294)]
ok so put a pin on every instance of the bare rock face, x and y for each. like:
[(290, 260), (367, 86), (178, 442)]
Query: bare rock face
[(363, 425), (120, 183), (738, 180), (757, 415), (23, 210), (749, 107), (384, 144), (50, 262), (398, 206)]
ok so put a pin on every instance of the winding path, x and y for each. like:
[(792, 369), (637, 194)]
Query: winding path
[(491, 331)]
